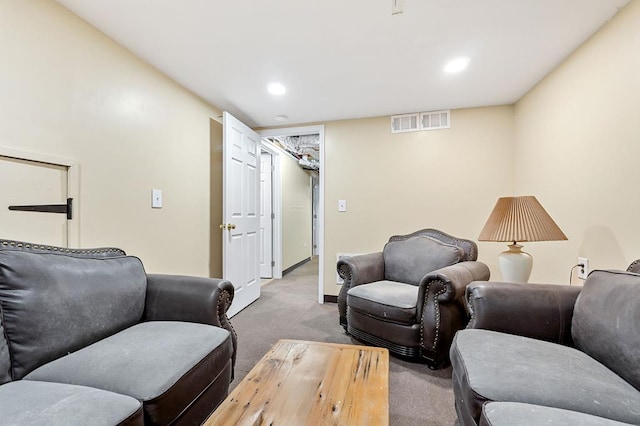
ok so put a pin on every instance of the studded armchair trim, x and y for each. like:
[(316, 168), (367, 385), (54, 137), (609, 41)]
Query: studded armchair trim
[(634, 267), (470, 248), (432, 297), (224, 303)]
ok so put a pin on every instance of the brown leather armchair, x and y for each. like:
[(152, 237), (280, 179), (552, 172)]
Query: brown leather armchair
[(409, 298)]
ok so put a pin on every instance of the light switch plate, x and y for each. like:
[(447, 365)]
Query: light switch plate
[(156, 198), (342, 205)]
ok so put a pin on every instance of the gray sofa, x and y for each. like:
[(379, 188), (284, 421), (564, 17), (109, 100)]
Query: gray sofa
[(550, 354), (87, 337)]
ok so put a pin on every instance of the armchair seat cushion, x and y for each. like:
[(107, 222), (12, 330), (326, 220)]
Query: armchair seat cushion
[(164, 364), (25, 402), (487, 368), (387, 300)]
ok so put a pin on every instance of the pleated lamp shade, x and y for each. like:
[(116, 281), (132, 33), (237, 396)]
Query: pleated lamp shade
[(520, 219)]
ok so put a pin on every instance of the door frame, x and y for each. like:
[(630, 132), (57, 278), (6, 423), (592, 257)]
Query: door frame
[(298, 131), (73, 184), (276, 206)]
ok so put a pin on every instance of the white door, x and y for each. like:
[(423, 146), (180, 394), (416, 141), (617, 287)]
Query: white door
[(241, 209), (266, 216), (29, 188)]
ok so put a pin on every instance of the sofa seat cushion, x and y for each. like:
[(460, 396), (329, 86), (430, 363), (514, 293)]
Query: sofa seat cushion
[(519, 414), (387, 300), (26, 402), (164, 364), (408, 261), (492, 366), (53, 304)]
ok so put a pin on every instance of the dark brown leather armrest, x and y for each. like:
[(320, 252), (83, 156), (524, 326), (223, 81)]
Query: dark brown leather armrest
[(453, 280), (540, 311), (183, 298), (357, 270), (441, 306), (362, 269), (192, 299)]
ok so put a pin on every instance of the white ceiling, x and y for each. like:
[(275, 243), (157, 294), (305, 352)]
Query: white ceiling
[(344, 59)]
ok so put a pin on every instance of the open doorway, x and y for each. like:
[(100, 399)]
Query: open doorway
[(290, 162), (299, 213)]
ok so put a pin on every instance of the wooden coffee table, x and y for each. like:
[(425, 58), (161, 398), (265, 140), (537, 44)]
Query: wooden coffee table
[(311, 383)]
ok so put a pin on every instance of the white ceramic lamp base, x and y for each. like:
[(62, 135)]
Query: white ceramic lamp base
[(515, 264)]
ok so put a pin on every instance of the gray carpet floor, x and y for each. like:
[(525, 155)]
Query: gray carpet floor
[(289, 309)]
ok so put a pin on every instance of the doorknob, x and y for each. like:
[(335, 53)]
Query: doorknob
[(223, 226), (227, 226)]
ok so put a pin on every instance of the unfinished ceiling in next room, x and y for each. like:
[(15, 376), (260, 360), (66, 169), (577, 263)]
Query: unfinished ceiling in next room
[(304, 148), (347, 59)]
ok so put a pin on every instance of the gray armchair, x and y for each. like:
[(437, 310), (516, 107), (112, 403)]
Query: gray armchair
[(409, 298)]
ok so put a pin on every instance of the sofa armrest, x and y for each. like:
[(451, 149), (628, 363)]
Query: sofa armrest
[(441, 308), (192, 299), (540, 311), (183, 298), (357, 270)]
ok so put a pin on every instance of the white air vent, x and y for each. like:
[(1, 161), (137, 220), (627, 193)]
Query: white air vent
[(339, 256), (404, 123), (434, 120)]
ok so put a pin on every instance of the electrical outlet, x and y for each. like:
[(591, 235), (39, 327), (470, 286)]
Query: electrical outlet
[(583, 270)]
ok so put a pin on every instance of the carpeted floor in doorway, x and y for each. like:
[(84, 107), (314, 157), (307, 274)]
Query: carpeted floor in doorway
[(289, 309)]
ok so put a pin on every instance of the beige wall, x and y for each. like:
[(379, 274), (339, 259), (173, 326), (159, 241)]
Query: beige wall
[(296, 212), (399, 183), (69, 91), (577, 149)]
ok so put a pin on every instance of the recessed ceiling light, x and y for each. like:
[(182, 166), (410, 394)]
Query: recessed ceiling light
[(456, 65), (276, 89), (280, 118)]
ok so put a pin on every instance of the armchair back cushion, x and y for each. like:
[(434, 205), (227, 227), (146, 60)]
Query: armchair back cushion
[(53, 303), (408, 261), (611, 336)]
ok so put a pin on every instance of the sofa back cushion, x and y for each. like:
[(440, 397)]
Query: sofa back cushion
[(408, 261), (5, 359), (606, 322), (53, 304)]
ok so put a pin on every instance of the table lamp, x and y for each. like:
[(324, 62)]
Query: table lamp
[(519, 219)]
